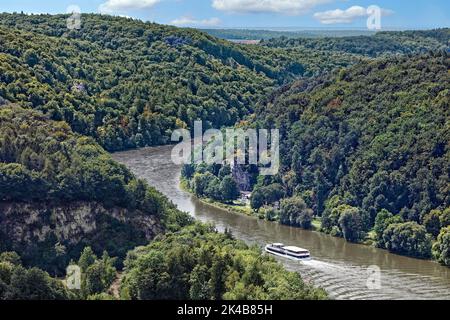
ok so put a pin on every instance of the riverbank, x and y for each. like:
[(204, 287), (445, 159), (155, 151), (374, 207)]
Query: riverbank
[(238, 208), (232, 208), (246, 210)]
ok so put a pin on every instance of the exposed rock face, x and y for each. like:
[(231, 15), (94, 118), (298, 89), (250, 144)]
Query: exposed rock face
[(25, 222), (242, 178), (27, 226)]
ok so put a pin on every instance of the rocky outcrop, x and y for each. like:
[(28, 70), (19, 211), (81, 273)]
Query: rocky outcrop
[(25, 222), (242, 178), (26, 227)]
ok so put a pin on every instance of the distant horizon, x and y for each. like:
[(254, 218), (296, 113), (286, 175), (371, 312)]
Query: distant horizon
[(256, 15), (292, 29), (297, 29)]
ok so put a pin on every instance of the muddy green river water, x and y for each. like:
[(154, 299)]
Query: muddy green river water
[(339, 267)]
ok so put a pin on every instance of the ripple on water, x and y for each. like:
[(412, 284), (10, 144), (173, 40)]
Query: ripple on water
[(349, 282)]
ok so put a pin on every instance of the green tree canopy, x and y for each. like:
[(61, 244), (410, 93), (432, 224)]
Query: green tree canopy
[(295, 212), (408, 238), (441, 249)]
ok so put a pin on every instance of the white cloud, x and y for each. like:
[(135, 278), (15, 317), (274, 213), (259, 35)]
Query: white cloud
[(345, 16), (189, 21), (112, 6), (289, 7)]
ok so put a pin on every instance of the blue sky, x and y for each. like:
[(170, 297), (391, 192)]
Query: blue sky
[(329, 14)]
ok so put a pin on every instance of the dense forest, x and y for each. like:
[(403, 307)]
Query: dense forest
[(368, 147), (365, 150), (130, 84), (382, 43), (245, 34), (19, 283)]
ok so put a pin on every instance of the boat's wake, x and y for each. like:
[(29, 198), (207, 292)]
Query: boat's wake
[(348, 282), (317, 264)]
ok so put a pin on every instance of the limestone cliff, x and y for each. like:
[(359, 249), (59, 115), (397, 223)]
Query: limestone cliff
[(37, 230)]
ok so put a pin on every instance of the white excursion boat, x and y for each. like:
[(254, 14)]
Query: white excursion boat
[(294, 253)]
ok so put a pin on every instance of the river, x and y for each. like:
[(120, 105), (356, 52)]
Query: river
[(341, 268)]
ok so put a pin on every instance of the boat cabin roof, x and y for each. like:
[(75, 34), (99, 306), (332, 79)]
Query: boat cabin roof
[(296, 249)]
